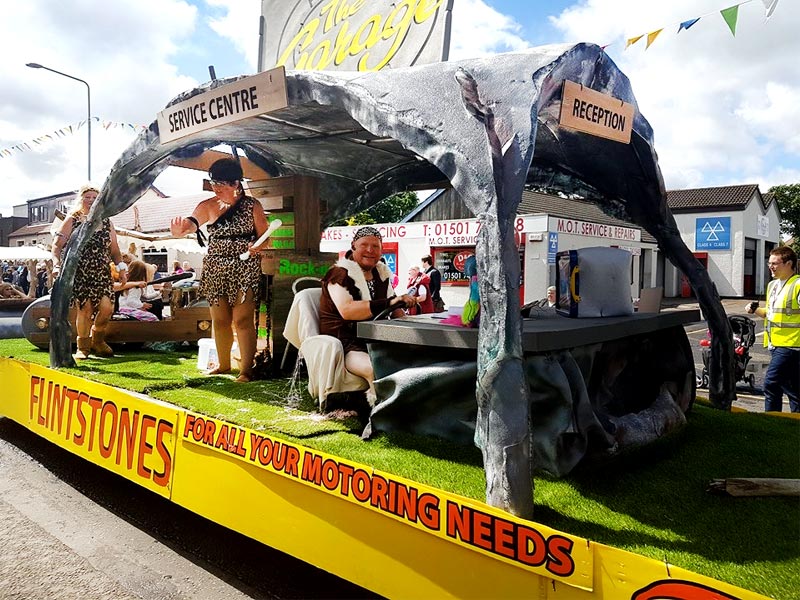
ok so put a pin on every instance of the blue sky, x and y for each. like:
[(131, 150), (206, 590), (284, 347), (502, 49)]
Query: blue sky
[(724, 109)]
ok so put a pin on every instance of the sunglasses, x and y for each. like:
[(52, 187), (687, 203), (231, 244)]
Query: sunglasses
[(223, 182)]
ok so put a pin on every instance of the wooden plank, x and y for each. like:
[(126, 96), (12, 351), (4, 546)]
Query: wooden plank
[(755, 486), (306, 213), (271, 187)]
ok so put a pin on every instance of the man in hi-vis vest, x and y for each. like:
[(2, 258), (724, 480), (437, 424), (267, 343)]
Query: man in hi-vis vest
[(782, 335)]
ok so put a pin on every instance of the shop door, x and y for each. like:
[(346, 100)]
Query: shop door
[(686, 289), (749, 270)]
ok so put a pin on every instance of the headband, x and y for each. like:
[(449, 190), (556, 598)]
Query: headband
[(366, 232)]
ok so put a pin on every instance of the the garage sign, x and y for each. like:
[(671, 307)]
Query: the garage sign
[(354, 35)]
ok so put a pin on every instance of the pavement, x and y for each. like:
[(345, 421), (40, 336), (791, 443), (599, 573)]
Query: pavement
[(732, 306), (746, 399)]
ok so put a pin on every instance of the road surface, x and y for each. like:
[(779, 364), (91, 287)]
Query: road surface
[(73, 530)]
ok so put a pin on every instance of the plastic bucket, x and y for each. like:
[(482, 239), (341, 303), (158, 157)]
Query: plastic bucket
[(207, 358)]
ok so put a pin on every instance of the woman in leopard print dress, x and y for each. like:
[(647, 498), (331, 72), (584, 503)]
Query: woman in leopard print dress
[(229, 283), (92, 288)]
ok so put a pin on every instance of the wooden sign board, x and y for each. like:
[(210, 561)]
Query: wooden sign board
[(587, 110), (275, 193), (283, 237), (239, 100)]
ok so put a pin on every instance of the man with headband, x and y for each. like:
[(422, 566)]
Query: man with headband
[(358, 289)]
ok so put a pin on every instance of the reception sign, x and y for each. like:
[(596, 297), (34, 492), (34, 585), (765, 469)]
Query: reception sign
[(354, 35), (587, 110)]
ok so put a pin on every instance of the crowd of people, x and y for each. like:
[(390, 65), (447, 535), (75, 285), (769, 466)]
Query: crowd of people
[(27, 278)]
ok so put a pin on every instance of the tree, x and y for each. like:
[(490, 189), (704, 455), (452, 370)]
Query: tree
[(788, 199), (388, 210)]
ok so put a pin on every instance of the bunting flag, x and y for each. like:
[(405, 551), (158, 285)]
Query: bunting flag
[(63, 132), (769, 7), (687, 24), (651, 37), (731, 15), (633, 40)]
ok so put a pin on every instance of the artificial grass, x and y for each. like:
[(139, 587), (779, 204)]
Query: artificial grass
[(652, 501)]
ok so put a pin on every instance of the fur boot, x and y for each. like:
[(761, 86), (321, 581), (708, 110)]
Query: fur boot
[(84, 348), (99, 346)]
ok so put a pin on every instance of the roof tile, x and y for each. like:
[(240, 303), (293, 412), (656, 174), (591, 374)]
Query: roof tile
[(734, 197)]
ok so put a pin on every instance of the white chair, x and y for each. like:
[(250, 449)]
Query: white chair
[(323, 354), (302, 283)]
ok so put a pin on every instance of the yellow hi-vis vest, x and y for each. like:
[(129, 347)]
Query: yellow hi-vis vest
[(783, 322)]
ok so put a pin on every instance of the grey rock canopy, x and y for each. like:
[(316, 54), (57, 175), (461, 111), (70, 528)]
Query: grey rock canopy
[(487, 125)]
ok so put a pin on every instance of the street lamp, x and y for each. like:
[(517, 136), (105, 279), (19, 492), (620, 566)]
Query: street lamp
[(88, 106)]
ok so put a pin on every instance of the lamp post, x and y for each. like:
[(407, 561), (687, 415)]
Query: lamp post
[(88, 107)]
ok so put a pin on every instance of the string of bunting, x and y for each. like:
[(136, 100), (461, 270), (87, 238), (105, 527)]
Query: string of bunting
[(64, 132), (730, 15)]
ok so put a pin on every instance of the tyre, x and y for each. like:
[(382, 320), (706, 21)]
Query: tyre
[(751, 379)]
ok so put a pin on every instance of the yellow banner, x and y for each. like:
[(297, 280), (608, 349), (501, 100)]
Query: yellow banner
[(112, 428), (470, 524)]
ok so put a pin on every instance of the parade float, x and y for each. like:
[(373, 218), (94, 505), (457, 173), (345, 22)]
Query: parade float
[(561, 118)]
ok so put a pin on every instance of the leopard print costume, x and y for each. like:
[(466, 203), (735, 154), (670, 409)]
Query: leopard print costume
[(93, 276), (225, 275)]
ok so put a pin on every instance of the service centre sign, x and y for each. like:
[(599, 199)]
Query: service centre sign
[(229, 103), (354, 35)]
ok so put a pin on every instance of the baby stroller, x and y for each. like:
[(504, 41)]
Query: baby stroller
[(744, 336)]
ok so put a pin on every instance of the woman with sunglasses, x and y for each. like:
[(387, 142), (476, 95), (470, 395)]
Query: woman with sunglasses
[(92, 288), (229, 284)]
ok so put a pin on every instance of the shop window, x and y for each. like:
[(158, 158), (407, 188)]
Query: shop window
[(154, 256), (450, 263)]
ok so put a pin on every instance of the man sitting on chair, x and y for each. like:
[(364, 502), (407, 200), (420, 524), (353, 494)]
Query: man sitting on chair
[(356, 290)]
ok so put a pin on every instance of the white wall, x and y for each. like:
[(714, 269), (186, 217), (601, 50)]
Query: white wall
[(726, 267)]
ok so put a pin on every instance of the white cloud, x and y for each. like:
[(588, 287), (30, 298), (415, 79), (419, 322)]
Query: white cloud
[(480, 30), (123, 49), (240, 26), (721, 106)]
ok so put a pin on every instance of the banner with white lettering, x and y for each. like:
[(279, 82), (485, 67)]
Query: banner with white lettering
[(354, 35)]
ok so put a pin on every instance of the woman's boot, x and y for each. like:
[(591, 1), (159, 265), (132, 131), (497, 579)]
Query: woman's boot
[(99, 346), (84, 348)]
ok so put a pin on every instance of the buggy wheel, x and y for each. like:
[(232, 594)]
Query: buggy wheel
[(751, 379), (704, 379)]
